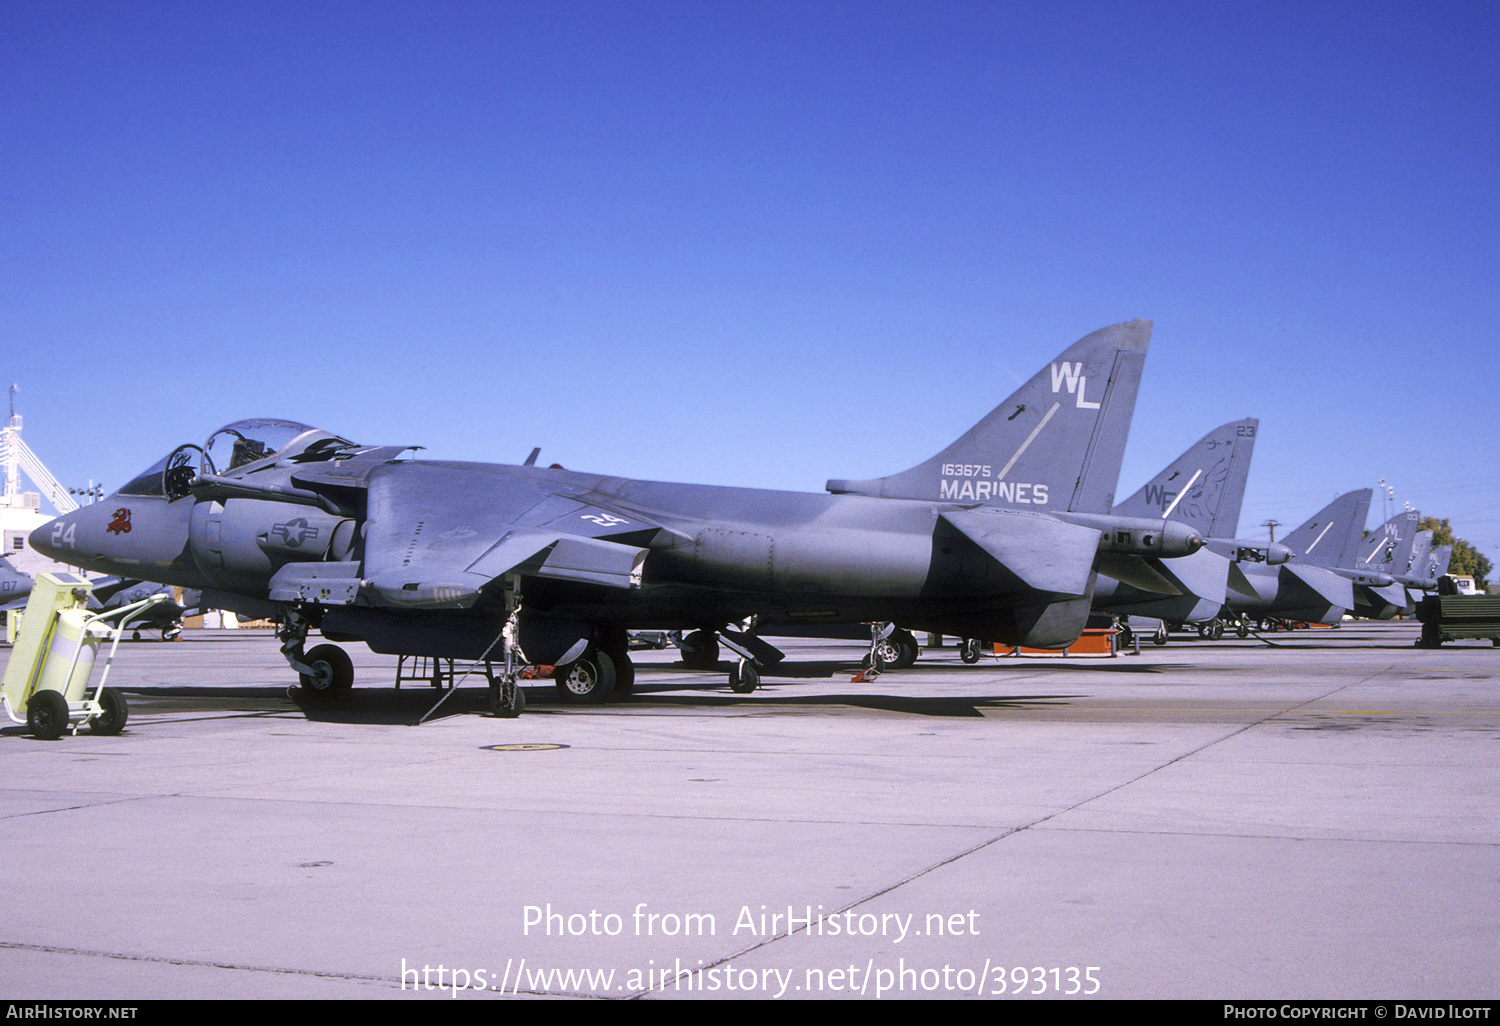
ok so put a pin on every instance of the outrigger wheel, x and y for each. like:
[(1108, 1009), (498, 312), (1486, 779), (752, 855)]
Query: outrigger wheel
[(743, 678)]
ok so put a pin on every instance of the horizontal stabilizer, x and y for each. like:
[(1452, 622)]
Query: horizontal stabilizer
[(1338, 591), (1045, 554), (1204, 573), (1140, 572), (1393, 596)]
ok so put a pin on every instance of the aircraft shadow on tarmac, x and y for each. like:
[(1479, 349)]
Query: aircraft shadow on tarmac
[(388, 706), (781, 689)]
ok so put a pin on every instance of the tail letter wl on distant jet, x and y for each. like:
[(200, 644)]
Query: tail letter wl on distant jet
[(1071, 375)]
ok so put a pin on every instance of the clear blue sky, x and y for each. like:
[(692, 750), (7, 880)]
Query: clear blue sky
[(757, 243)]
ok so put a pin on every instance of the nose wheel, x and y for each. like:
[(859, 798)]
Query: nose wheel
[(326, 674), (332, 673)]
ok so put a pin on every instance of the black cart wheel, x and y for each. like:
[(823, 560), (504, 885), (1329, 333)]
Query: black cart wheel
[(111, 720), (47, 715)]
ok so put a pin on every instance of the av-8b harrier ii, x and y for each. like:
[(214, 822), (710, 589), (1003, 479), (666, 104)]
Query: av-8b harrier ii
[(1204, 489), (997, 537)]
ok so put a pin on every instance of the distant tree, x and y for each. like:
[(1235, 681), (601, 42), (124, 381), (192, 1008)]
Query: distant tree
[(1466, 558)]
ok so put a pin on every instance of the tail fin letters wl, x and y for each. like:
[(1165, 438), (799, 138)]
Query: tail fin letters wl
[(1071, 375)]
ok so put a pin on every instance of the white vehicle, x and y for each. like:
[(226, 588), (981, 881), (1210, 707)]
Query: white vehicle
[(1463, 584)]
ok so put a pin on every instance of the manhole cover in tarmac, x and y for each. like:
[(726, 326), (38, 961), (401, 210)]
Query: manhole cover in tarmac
[(522, 748)]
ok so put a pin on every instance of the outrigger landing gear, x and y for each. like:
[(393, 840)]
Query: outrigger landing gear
[(700, 651), (507, 700)]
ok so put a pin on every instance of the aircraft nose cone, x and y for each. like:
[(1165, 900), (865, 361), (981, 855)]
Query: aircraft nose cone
[(47, 539)]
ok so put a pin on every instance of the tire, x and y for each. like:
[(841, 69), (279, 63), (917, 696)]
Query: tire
[(333, 674), (743, 679), (969, 651), (910, 650), (47, 715), (624, 676), (1160, 637), (617, 645), (111, 720), (510, 712), (587, 680), (700, 650)]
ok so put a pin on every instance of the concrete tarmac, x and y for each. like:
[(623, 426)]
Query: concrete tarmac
[(1314, 818)]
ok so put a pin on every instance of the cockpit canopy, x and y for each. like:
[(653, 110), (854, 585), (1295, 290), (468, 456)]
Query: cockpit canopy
[(235, 449)]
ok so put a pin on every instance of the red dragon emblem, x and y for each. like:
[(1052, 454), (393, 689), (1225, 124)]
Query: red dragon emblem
[(121, 523)]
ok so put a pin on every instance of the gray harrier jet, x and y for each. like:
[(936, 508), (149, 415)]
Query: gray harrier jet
[(996, 537), (15, 586), (1204, 489), (1317, 583)]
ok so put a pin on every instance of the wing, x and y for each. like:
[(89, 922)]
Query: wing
[(439, 534)]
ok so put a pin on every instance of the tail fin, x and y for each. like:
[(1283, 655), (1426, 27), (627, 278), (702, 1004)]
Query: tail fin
[(1205, 487), (1331, 537), (1421, 549), (1389, 546), (1056, 443), (1439, 561)]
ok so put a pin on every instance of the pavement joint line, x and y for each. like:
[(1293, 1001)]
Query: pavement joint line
[(1037, 822), (50, 949)]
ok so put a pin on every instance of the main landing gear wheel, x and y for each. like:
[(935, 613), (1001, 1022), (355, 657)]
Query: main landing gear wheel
[(908, 650), (587, 680), (618, 649), (332, 676), (968, 651), (743, 679), (47, 715), (111, 720), (896, 652), (700, 650)]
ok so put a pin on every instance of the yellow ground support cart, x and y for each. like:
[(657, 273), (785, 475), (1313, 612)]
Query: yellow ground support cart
[(53, 657)]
